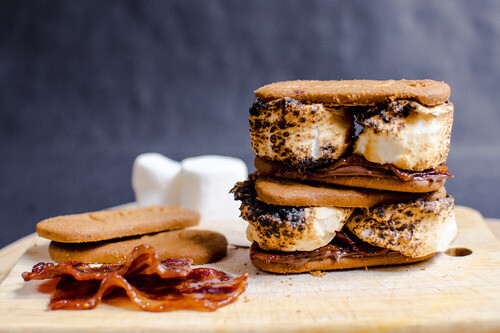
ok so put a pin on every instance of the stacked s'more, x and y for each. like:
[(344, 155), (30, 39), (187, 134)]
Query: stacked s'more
[(349, 174)]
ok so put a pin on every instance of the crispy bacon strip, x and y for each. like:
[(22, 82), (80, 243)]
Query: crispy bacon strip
[(151, 284), (203, 289), (142, 260)]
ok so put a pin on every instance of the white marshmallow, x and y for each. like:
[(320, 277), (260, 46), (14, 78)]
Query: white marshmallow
[(415, 229), (206, 182), (156, 180), (290, 132), (418, 142), (319, 226)]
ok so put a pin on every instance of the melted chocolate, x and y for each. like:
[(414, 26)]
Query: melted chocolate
[(355, 165), (344, 244), (437, 173)]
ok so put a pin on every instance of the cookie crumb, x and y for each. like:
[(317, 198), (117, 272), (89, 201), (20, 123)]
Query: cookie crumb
[(317, 273)]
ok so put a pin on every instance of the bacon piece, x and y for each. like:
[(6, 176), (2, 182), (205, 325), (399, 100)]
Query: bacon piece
[(203, 289), (142, 260), (151, 284)]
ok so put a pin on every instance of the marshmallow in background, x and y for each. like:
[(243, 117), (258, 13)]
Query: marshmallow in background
[(156, 180), (199, 183), (206, 182)]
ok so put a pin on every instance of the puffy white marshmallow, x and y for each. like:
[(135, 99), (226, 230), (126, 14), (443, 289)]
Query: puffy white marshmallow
[(288, 131), (206, 182), (416, 142), (317, 228), (156, 180), (415, 229)]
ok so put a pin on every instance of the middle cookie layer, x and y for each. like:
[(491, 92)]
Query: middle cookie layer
[(288, 228)]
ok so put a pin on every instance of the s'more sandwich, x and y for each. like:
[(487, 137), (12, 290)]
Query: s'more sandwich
[(349, 174)]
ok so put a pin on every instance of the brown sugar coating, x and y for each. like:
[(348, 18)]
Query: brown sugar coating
[(203, 246), (356, 92), (104, 225), (282, 192)]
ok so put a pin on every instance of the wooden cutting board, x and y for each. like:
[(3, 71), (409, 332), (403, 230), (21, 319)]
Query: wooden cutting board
[(444, 294)]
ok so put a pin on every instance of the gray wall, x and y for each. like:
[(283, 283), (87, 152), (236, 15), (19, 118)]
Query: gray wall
[(86, 86)]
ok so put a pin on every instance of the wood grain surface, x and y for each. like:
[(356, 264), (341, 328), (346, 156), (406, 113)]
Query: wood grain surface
[(444, 294)]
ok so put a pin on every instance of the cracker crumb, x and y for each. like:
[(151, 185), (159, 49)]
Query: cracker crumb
[(317, 273)]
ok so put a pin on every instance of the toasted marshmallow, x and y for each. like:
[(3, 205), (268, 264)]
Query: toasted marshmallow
[(288, 131), (408, 135), (415, 229), (206, 182), (315, 228), (156, 180)]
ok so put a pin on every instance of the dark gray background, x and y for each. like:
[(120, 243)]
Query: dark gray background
[(86, 86)]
